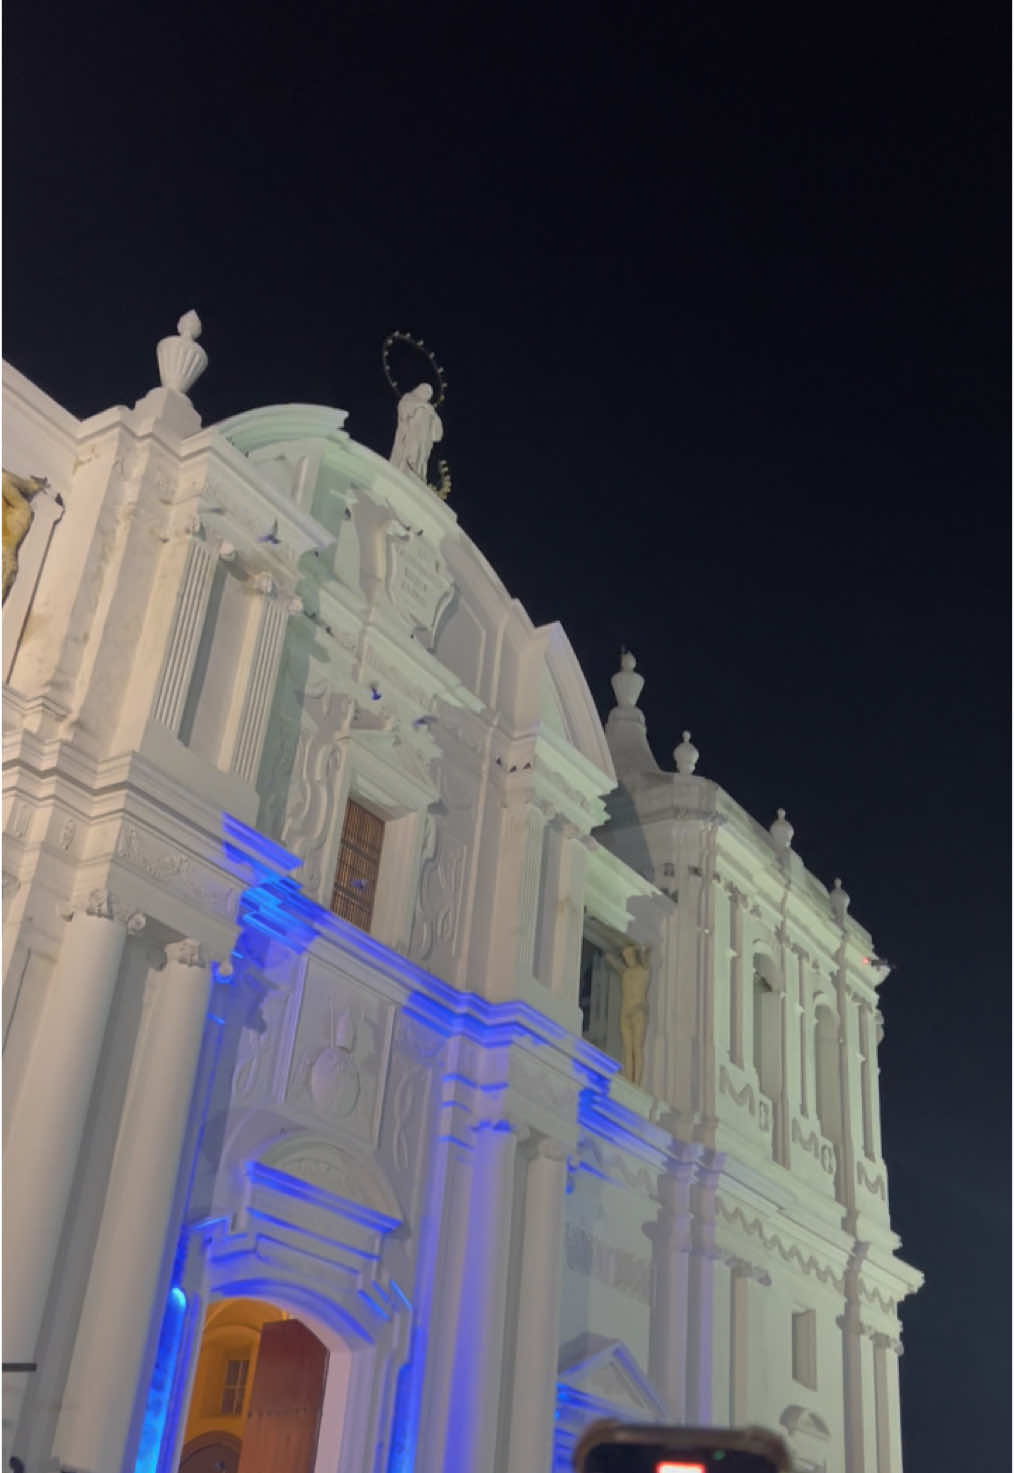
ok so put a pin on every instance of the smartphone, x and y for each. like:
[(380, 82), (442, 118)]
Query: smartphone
[(621, 1447)]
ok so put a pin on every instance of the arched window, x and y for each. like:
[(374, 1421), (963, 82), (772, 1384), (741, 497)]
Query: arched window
[(828, 1073)]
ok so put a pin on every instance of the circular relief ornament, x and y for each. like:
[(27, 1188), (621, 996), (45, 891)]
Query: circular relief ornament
[(334, 1081)]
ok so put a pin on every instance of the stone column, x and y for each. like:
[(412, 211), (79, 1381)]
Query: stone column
[(473, 1409), (48, 1117), (888, 1403), (260, 682), (185, 633), (739, 1339), (736, 903), (517, 894), (782, 1102), (850, 1324), (870, 1082), (700, 1293), (570, 924), (800, 1043), (809, 1024), (560, 923), (536, 1350), (670, 1290), (792, 1064), (114, 1329)]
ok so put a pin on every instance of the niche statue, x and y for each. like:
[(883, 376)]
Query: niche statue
[(632, 967)]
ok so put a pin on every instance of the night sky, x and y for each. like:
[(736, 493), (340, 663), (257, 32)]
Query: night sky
[(723, 301)]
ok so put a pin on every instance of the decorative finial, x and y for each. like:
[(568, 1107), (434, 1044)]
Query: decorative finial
[(181, 359), (627, 684), (686, 755), (840, 900), (782, 831)]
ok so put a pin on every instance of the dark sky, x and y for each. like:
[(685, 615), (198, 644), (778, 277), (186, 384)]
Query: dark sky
[(722, 295)]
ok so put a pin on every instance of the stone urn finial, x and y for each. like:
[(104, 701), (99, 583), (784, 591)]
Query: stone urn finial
[(840, 900), (781, 832), (685, 756), (627, 684), (181, 359)]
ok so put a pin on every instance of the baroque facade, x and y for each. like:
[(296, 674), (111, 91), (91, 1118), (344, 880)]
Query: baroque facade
[(378, 1021)]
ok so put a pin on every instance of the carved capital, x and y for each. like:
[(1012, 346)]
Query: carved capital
[(264, 583), (185, 953), (548, 1148), (101, 903)]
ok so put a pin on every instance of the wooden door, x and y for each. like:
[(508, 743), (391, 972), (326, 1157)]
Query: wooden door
[(285, 1401)]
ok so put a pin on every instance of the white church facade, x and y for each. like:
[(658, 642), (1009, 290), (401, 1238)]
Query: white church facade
[(401, 1068)]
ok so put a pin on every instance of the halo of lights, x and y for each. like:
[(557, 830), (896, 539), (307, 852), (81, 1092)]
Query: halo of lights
[(420, 347)]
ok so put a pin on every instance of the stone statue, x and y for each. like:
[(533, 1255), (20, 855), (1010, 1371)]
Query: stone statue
[(419, 428), (634, 971), (18, 514)]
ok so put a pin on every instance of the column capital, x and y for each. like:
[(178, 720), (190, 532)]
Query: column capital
[(186, 953), (548, 1147), (104, 905), (742, 1268)]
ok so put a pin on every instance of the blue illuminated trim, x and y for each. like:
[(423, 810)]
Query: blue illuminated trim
[(372, 1304), (282, 1222), (404, 1299), (160, 1387), (259, 846), (276, 1288), (300, 1191)]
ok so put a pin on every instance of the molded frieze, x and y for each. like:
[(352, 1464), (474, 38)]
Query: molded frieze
[(790, 1253), (816, 1146), (179, 874), (752, 1109), (614, 1267)]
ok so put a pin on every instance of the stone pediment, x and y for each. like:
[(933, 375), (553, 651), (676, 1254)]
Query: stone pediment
[(604, 1379), (336, 1170)]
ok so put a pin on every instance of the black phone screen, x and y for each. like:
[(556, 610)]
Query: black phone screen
[(646, 1458)]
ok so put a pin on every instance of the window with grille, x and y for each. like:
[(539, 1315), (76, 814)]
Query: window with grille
[(234, 1388), (355, 881)]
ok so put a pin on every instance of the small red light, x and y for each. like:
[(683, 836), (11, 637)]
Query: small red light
[(866, 961)]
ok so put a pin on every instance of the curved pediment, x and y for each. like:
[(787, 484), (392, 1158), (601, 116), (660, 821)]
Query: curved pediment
[(275, 424), (797, 1420), (337, 1170)]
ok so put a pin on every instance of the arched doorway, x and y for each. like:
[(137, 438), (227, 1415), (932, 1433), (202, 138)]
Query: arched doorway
[(258, 1395)]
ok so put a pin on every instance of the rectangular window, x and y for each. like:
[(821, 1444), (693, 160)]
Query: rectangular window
[(234, 1388), (355, 881), (804, 1348)]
